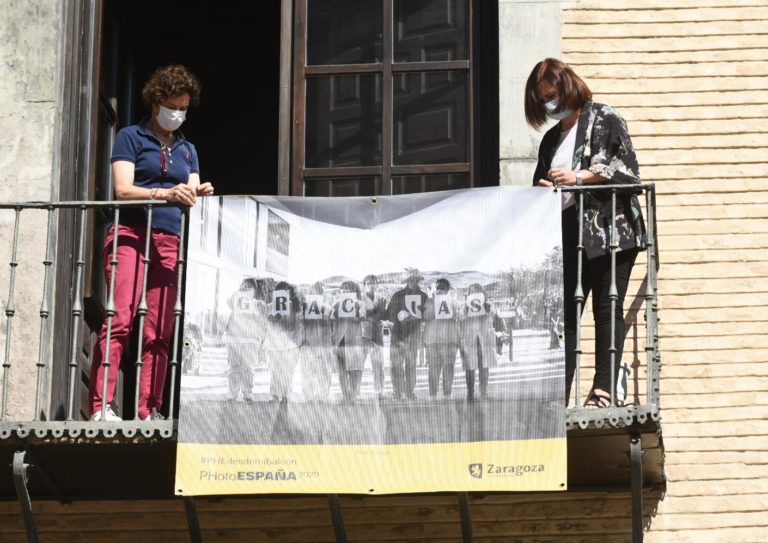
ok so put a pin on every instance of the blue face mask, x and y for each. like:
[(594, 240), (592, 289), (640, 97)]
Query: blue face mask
[(550, 108)]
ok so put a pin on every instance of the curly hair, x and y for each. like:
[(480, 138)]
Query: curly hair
[(171, 80)]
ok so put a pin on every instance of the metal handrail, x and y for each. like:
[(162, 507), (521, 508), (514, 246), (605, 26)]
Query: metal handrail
[(640, 412), (615, 415), (71, 425)]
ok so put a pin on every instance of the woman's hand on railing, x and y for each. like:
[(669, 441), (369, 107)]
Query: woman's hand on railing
[(559, 177), (204, 189), (180, 194)]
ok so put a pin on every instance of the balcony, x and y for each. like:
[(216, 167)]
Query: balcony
[(56, 301)]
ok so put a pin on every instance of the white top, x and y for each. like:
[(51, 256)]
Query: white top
[(564, 159)]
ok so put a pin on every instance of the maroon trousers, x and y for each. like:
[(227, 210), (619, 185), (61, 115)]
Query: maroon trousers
[(158, 322)]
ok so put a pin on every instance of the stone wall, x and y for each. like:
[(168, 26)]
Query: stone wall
[(528, 32), (30, 107)]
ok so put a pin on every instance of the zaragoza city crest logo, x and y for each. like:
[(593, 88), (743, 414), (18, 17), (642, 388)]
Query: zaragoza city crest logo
[(476, 470)]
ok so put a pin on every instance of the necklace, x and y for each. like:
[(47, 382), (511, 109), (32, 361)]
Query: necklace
[(165, 158)]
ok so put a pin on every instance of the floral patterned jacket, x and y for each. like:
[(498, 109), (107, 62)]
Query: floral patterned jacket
[(603, 147)]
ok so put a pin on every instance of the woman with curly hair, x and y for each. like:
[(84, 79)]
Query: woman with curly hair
[(151, 160)]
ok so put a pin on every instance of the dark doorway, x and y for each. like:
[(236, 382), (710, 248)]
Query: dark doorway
[(234, 48)]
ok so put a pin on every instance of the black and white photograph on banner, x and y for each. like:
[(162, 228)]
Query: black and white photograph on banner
[(430, 318)]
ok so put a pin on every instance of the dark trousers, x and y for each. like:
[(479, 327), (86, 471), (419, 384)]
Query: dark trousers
[(469, 376), (376, 352), (442, 360), (349, 380), (595, 278), (403, 361)]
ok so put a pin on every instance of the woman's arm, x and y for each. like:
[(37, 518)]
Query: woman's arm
[(545, 151), (612, 160), (613, 156), (122, 181), (564, 176), (201, 189)]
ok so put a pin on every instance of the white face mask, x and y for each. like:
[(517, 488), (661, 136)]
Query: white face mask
[(170, 119), (550, 108)]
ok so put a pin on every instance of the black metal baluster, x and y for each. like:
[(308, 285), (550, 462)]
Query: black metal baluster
[(45, 312), (77, 314), (178, 312), (651, 304), (110, 311), (578, 295), (10, 312), (613, 295), (142, 312)]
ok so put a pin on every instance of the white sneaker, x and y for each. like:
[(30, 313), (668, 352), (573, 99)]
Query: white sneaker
[(154, 415), (109, 415)]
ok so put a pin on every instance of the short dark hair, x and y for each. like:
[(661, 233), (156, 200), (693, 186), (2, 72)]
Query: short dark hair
[(285, 285), (168, 81), (350, 286), (370, 279), (443, 284), (476, 287), (571, 89)]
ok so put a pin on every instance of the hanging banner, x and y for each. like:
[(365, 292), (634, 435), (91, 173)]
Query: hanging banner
[(373, 345)]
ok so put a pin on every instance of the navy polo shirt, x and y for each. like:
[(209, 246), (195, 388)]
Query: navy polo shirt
[(139, 144)]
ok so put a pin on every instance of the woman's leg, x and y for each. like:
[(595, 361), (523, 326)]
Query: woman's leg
[(377, 367), (248, 354), (397, 362), (605, 374), (275, 362), (322, 356), (128, 279), (344, 382), (433, 373), (482, 370), (233, 377), (449, 363), (355, 381), (570, 271), (469, 376), (159, 322)]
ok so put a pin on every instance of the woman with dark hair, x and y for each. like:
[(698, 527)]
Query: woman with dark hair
[(478, 339), (590, 144), (283, 338), (348, 316), (150, 161), (441, 337)]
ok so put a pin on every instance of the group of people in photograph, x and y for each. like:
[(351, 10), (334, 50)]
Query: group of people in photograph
[(318, 332)]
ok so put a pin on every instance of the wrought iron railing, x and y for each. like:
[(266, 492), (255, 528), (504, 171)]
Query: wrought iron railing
[(642, 407), (72, 267)]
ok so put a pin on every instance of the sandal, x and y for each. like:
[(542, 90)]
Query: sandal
[(598, 399)]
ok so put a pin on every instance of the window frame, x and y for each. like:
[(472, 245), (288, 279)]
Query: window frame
[(388, 69)]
